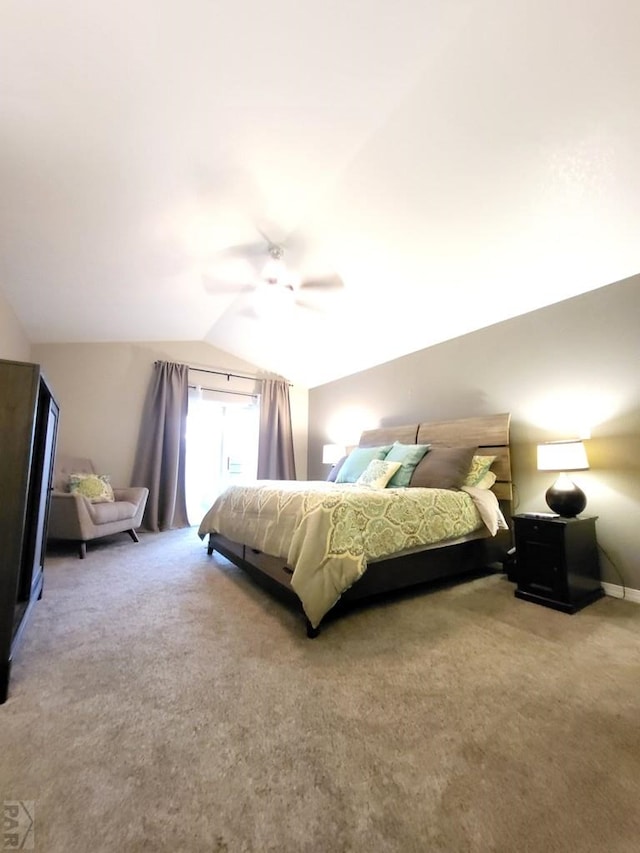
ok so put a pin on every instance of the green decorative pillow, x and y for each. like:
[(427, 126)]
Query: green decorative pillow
[(357, 461), (408, 455), (487, 482), (95, 487), (378, 473), (479, 467)]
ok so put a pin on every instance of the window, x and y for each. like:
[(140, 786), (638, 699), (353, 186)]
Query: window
[(222, 446)]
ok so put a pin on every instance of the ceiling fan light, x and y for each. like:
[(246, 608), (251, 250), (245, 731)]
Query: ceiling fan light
[(274, 271)]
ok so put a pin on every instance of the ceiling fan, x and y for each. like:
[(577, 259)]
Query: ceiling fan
[(261, 267)]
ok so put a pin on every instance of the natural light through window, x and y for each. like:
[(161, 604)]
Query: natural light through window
[(222, 446)]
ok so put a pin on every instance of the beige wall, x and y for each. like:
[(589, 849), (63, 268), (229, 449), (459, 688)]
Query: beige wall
[(561, 371), (101, 388), (14, 343)]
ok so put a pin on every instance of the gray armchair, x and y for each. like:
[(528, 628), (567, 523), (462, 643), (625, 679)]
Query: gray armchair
[(73, 517)]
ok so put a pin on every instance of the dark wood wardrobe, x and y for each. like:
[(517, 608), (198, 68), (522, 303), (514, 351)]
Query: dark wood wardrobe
[(28, 428)]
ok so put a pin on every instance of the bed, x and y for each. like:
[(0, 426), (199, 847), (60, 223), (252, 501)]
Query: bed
[(325, 545)]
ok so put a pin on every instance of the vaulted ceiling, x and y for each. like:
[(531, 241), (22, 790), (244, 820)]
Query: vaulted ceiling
[(454, 163)]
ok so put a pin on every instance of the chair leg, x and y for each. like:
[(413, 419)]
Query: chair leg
[(133, 535), (82, 550)]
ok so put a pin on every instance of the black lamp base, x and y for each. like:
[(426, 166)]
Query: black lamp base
[(565, 498)]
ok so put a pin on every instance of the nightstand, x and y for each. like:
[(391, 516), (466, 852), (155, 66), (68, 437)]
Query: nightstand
[(557, 561)]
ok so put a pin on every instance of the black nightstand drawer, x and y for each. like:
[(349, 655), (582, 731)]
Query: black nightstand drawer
[(557, 562), (541, 529)]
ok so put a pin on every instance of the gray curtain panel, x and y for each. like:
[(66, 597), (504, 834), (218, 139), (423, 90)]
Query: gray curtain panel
[(160, 458), (275, 445)]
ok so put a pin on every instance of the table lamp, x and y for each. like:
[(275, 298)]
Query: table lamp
[(332, 453), (564, 497)]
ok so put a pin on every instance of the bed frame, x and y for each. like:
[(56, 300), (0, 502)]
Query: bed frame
[(491, 435)]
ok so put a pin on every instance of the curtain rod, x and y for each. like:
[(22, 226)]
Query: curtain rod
[(227, 373), (223, 391)]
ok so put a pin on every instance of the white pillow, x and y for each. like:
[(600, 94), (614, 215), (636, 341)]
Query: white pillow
[(378, 473)]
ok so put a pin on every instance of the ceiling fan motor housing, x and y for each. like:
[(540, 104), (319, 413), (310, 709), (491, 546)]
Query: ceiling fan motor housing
[(275, 271)]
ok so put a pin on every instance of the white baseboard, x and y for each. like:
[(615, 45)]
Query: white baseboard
[(617, 591)]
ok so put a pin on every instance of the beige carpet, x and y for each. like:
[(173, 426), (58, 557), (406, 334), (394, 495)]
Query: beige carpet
[(160, 701)]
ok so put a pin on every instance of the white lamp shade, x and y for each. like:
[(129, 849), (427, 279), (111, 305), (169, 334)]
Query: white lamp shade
[(562, 456), (331, 453)]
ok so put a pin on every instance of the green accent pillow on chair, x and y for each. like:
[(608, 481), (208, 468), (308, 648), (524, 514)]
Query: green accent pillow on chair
[(96, 487)]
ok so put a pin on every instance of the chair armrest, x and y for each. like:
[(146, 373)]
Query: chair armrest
[(134, 494), (69, 516)]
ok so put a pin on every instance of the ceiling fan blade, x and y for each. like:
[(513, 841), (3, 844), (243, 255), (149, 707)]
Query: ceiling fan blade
[(245, 251), (329, 282), (271, 239), (309, 306), (277, 233), (264, 311), (215, 285), (297, 242), (251, 312)]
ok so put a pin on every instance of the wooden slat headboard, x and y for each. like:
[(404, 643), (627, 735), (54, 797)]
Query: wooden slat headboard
[(489, 433), (387, 435)]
